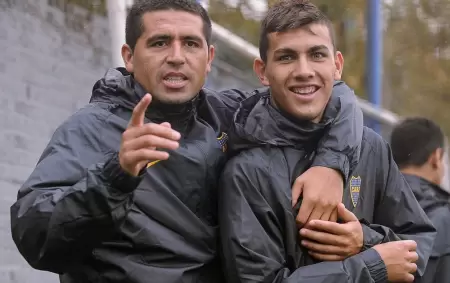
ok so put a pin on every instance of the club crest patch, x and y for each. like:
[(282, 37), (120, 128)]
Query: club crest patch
[(222, 140), (355, 188)]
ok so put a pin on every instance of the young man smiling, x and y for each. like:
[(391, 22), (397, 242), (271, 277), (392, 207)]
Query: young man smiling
[(300, 65)]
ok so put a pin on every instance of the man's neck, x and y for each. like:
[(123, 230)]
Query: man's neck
[(419, 172), (291, 117)]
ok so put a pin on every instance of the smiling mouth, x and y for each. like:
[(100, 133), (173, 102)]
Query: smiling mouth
[(308, 90)]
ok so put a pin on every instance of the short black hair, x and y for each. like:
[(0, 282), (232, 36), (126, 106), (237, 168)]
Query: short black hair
[(134, 26), (288, 15), (414, 140)]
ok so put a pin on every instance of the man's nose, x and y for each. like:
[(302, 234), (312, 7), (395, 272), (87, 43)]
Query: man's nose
[(303, 68), (176, 54)]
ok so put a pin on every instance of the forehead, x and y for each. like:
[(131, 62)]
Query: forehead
[(301, 38), (171, 22)]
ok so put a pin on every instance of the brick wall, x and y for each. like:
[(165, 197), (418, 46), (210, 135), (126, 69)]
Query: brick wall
[(49, 62)]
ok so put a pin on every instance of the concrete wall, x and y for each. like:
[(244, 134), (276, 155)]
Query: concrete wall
[(50, 61)]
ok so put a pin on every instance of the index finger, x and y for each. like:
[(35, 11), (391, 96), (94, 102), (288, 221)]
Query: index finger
[(137, 118)]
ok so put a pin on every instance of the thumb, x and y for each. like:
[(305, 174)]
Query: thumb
[(297, 190), (346, 215)]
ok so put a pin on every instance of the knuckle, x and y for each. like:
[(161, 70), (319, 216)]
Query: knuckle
[(348, 246), (335, 201), (124, 149), (298, 181), (406, 265), (314, 199), (324, 202), (125, 135), (330, 204), (150, 127), (346, 250)]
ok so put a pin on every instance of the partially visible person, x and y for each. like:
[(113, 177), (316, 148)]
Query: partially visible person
[(418, 147), (274, 138), (126, 190)]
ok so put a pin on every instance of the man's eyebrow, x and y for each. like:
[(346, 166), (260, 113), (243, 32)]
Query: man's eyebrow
[(157, 37), (319, 48), (192, 37), (166, 37), (284, 50)]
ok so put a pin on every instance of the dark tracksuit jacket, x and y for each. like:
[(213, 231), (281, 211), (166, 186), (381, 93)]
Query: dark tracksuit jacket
[(257, 224), (434, 201), (80, 215)]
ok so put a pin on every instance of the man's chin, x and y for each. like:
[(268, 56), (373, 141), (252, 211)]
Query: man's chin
[(175, 98), (309, 116)]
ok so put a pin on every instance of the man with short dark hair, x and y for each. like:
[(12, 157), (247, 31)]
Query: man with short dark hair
[(418, 147), (106, 203), (260, 238)]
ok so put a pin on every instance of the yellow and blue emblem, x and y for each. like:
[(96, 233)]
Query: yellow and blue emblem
[(150, 164), (222, 140), (355, 188)]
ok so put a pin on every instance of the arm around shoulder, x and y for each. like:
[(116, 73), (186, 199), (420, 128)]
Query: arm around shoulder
[(341, 145)]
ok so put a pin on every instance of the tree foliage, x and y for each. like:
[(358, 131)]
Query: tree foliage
[(417, 59), (416, 54)]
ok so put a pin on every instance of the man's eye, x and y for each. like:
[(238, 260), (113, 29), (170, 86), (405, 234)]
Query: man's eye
[(158, 44), (318, 55), (192, 44), (285, 58)]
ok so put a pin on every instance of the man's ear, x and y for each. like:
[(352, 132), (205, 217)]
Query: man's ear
[(127, 56), (339, 62), (211, 53), (436, 157), (259, 67)]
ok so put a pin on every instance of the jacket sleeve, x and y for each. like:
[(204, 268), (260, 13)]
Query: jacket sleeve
[(252, 237), (340, 147), (399, 210), (73, 199), (374, 234), (438, 265)]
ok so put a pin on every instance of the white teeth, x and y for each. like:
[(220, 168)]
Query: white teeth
[(304, 90), (174, 79)]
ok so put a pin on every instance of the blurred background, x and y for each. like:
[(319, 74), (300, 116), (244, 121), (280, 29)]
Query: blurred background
[(397, 58)]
